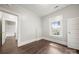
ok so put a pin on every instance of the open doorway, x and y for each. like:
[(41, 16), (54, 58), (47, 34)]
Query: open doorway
[(8, 31)]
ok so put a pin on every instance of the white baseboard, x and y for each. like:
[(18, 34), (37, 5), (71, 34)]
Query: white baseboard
[(26, 42), (53, 40), (36, 39)]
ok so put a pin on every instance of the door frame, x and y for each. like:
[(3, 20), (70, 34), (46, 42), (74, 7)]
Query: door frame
[(68, 33), (6, 11)]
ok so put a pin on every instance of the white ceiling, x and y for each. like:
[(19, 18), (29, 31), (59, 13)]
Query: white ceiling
[(40, 9), (44, 9)]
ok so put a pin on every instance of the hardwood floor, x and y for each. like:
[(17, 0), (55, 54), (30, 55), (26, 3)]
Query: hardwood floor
[(10, 46), (37, 47)]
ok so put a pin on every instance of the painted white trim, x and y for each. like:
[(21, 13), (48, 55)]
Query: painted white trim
[(36, 39), (50, 29), (69, 29), (29, 41), (53, 40)]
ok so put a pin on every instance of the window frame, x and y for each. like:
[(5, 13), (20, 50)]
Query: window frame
[(51, 19)]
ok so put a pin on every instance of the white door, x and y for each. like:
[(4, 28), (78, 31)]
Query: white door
[(73, 33)]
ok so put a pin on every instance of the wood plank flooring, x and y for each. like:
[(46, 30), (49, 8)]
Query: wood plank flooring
[(38, 47)]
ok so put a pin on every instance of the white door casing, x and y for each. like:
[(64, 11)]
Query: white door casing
[(73, 33), (7, 17)]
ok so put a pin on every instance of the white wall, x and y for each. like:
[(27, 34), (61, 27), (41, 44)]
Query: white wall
[(0, 31), (29, 26), (10, 28), (0, 24), (71, 11)]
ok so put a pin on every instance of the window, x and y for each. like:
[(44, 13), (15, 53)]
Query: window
[(56, 26)]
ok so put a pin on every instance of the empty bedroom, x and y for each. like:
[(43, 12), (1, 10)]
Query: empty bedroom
[(39, 28)]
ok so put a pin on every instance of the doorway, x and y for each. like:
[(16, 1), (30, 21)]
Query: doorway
[(8, 27), (73, 33)]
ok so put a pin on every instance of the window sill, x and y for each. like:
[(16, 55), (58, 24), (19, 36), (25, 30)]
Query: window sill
[(57, 36)]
